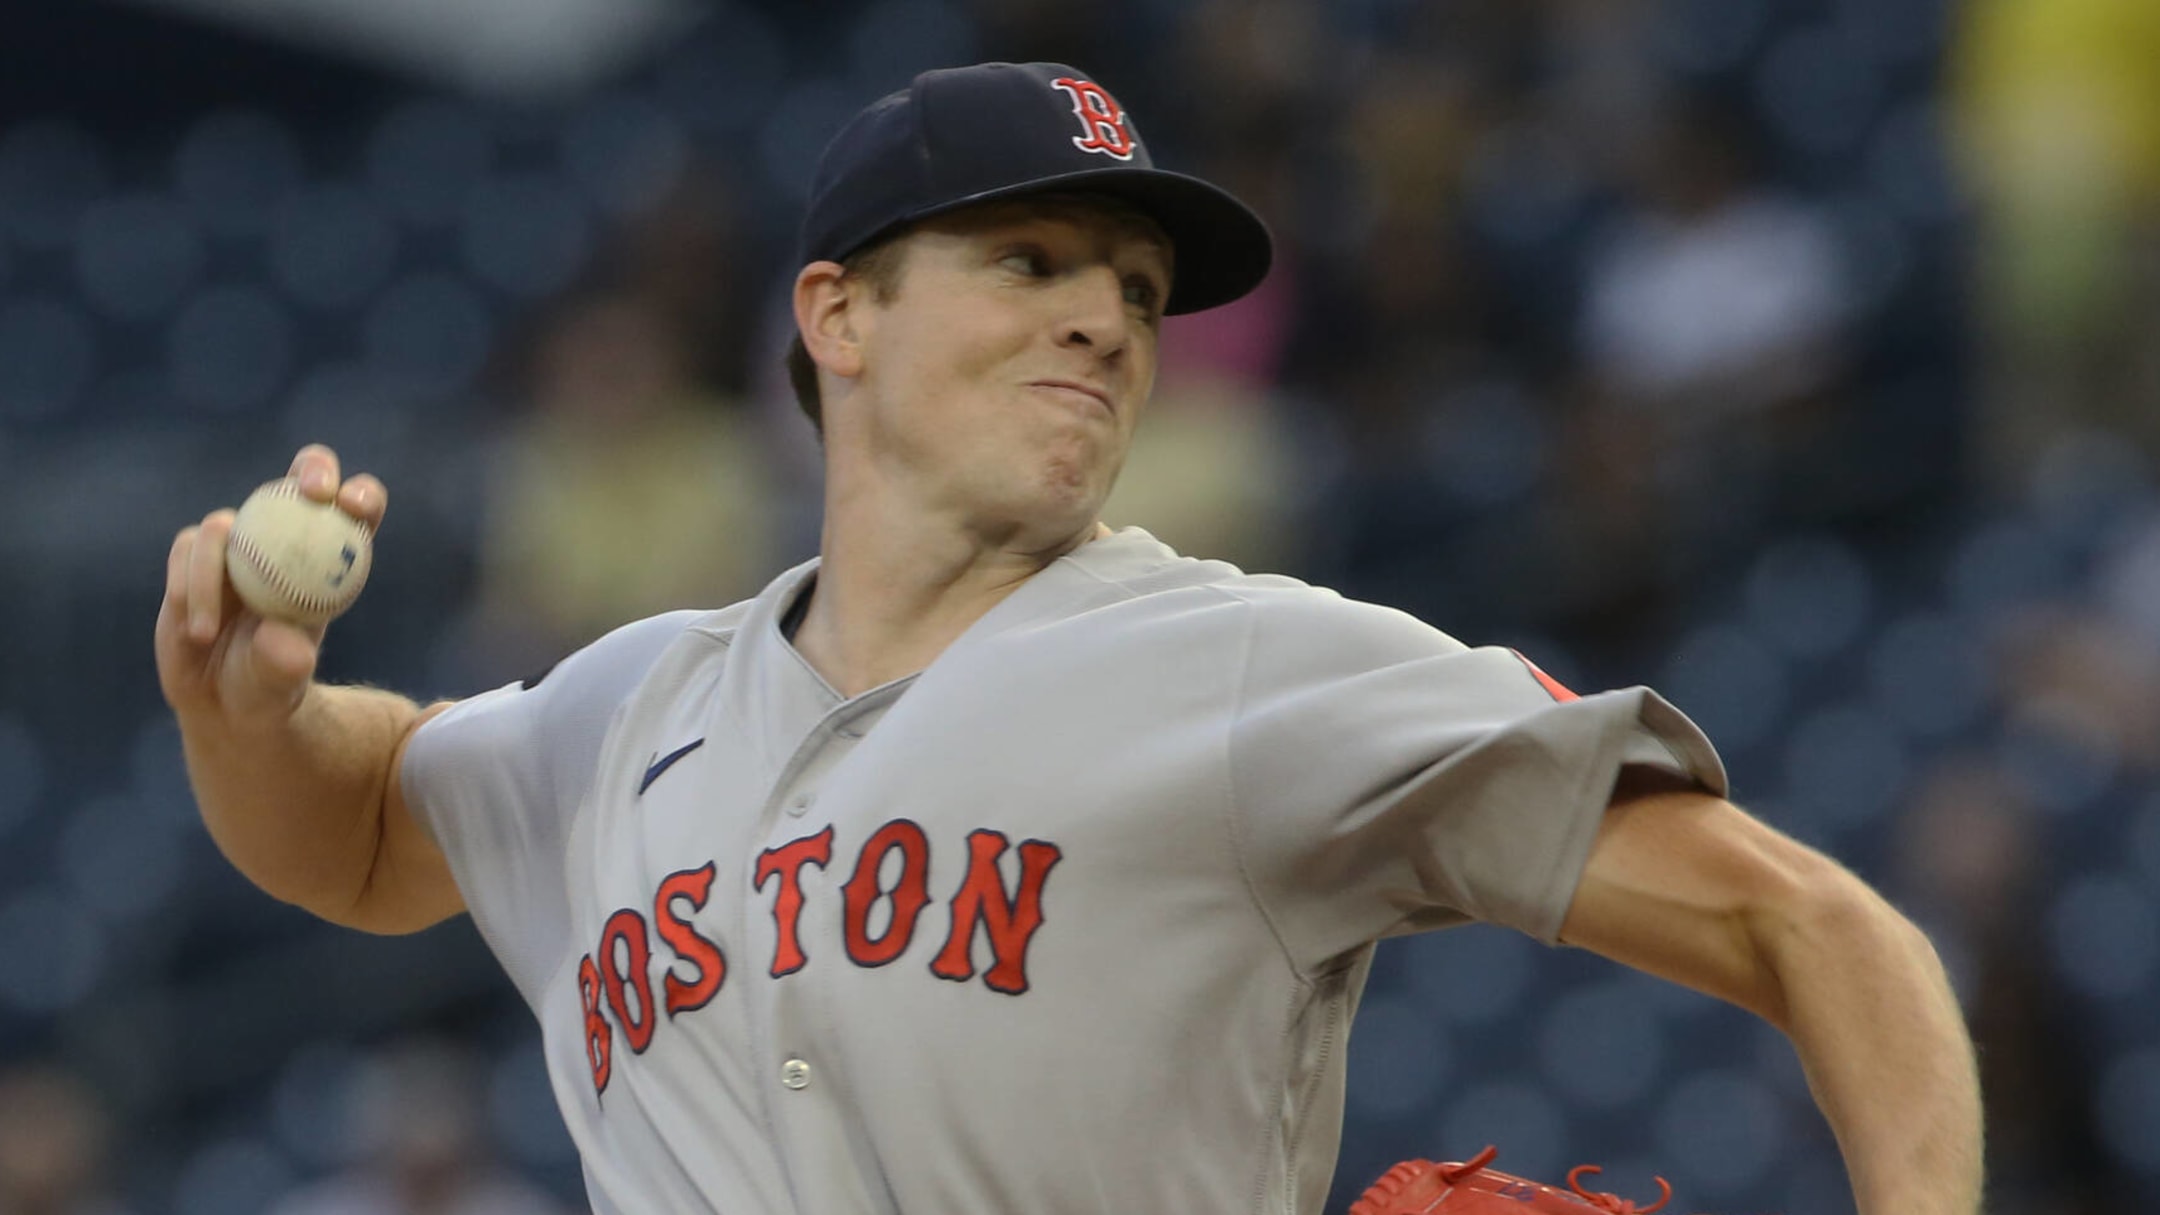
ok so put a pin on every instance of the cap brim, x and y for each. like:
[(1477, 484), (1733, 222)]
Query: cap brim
[(1223, 249)]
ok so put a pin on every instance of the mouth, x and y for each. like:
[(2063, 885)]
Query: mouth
[(1078, 393)]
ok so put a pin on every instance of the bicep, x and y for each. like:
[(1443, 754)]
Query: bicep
[(1686, 886), (410, 886)]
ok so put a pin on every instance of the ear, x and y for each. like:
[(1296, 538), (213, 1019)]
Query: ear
[(824, 315)]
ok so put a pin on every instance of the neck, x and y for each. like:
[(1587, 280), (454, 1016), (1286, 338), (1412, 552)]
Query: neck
[(895, 587)]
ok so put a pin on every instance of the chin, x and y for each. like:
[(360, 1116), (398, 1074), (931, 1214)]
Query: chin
[(1074, 492), (1045, 502)]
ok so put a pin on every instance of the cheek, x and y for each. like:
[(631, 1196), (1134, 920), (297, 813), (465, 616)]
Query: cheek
[(935, 383), (1145, 363), (947, 354)]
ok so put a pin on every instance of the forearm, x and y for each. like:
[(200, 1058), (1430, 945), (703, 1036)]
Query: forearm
[(297, 807), (1885, 1049)]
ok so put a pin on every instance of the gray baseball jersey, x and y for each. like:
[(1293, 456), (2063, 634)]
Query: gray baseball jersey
[(1075, 920)]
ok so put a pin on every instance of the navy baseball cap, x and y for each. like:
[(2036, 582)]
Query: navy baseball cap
[(960, 136)]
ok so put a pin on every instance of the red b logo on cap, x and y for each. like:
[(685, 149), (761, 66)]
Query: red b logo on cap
[(1102, 119)]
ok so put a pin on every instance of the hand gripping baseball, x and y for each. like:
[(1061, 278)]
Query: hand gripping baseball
[(1421, 1187), (217, 655)]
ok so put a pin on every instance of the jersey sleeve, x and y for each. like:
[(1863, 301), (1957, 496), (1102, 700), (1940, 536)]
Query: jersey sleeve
[(1387, 779), (497, 779)]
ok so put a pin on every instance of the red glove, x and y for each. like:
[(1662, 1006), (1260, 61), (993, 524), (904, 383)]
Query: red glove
[(1420, 1187)]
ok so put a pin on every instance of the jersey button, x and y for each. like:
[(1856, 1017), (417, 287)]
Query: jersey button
[(795, 1074), (800, 802)]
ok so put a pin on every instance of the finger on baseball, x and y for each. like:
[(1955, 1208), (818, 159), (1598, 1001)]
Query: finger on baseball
[(206, 577), (171, 634), (176, 567), (364, 498), (284, 653), (315, 467)]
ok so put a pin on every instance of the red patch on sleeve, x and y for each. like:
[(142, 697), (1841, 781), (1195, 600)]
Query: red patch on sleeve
[(1558, 690)]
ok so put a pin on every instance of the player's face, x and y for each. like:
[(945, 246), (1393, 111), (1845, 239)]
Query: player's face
[(1008, 371)]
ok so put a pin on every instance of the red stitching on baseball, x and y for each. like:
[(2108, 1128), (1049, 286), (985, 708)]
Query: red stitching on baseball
[(276, 581), (259, 562)]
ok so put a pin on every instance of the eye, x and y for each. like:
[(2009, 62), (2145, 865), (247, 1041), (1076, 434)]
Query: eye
[(1027, 260), (1143, 294)]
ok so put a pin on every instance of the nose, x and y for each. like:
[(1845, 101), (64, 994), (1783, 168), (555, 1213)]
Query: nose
[(1095, 317)]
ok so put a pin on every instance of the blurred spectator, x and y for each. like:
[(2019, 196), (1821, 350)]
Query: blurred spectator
[(2089, 682), (2059, 108), (1987, 853), (1256, 68), (621, 447), (417, 1122), (684, 254), (1053, 31), (2129, 579), (1717, 297), (1409, 130), (52, 1146), (1712, 349), (1970, 864)]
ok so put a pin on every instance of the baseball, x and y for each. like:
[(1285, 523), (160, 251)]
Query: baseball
[(295, 559)]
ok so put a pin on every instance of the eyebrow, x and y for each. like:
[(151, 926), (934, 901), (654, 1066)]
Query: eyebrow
[(1154, 235), (1150, 233), (1133, 224)]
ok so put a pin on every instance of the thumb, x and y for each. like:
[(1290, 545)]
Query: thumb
[(281, 657)]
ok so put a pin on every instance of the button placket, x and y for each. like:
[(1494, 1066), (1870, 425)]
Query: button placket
[(797, 792)]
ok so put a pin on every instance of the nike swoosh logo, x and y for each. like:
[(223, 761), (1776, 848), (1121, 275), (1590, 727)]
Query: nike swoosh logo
[(662, 764)]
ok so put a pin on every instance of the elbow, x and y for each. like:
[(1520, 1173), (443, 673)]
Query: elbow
[(341, 901), (1823, 925)]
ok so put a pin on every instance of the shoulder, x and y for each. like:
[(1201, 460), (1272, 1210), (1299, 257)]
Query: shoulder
[(1141, 565), (621, 658), (1294, 627), (598, 676), (1285, 617), (533, 742), (1286, 611)]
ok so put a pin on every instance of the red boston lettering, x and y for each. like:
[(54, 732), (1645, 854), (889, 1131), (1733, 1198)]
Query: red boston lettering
[(599, 1036), (691, 886), (1009, 922), (615, 981), (626, 969), (909, 894), (786, 862)]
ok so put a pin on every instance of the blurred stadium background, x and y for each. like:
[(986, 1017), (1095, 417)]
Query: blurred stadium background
[(1798, 357)]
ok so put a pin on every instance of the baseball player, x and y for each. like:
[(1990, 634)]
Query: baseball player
[(995, 861)]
